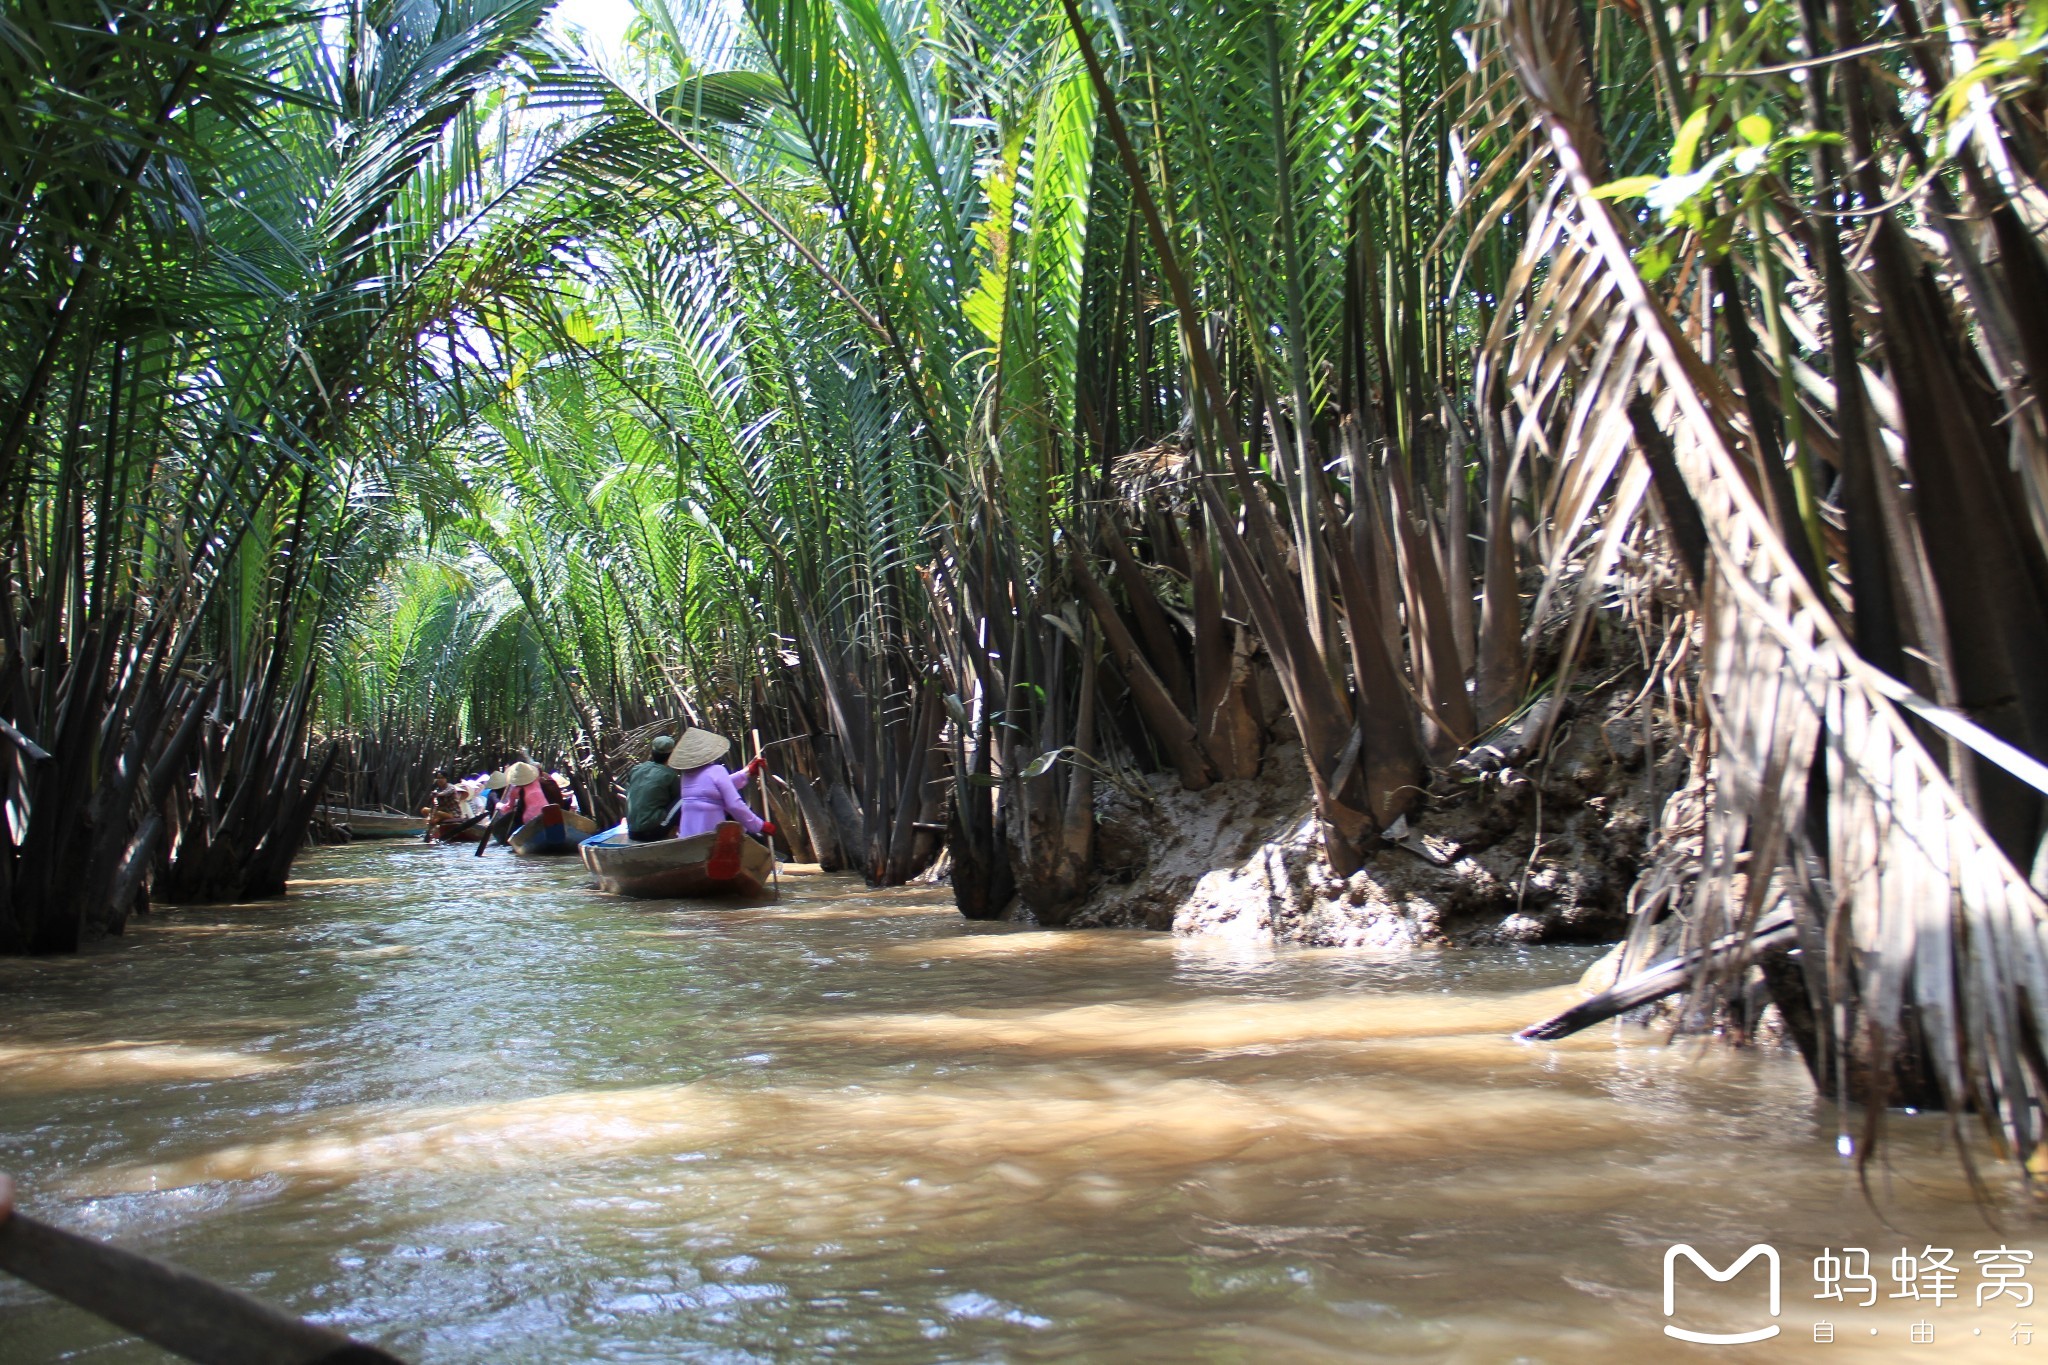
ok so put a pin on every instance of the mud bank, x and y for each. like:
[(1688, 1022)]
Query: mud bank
[(1508, 848)]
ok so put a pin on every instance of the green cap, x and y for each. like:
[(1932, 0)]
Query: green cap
[(662, 745)]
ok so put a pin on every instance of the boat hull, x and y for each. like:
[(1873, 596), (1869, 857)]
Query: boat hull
[(466, 834), (554, 831), (375, 824), (677, 869)]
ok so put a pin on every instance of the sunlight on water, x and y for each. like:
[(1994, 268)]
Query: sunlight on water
[(1067, 1122), (469, 1110), (26, 1068), (1200, 1024)]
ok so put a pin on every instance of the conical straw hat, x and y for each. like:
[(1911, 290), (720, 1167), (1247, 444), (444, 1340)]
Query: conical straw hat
[(497, 781), (696, 748), (519, 774)]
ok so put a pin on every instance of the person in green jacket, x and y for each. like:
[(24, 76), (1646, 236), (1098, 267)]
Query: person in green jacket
[(652, 789)]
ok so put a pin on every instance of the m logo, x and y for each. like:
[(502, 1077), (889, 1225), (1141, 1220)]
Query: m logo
[(1770, 1255)]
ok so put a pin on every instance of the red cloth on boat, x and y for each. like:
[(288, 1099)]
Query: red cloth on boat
[(711, 795)]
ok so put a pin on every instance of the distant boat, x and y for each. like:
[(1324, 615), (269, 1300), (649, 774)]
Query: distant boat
[(724, 862), (374, 824), (554, 830), (462, 832)]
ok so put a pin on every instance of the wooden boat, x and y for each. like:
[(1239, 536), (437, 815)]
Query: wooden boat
[(460, 833), (374, 824), (724, 862), (554, 830)]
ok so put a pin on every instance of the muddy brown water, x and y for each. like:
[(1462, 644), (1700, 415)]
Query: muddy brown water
[(473, 1111)]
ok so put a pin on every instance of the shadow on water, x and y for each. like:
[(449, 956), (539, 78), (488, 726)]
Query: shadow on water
[(475, 1112)]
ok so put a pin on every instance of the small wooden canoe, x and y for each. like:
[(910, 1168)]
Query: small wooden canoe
[(460, 833), (554, 830), (374, 824), (724, 862)]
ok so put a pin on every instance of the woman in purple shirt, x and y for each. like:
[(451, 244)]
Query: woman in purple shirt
[(711, 793)]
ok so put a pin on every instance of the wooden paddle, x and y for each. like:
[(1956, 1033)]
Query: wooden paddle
[(491, 830), (176, 1309), (469, 823), (767, 813)]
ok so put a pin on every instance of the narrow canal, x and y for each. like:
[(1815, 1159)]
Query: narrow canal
[(474, 1112)]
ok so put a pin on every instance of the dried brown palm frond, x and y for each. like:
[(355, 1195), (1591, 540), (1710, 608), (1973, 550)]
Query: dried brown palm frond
[(1159, 475), (1920, 932)]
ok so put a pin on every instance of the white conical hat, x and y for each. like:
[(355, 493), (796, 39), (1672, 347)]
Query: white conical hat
[(696, 748), (519, 774)]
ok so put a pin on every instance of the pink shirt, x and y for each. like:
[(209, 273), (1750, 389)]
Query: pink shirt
[(528, 798), (711, 795)]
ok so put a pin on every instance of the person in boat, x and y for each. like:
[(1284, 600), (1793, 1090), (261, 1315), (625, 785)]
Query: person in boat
[(494, 789), (528, 792), (652, 789), (562, 784), (508, 808), (708, 793), (444, 804)]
